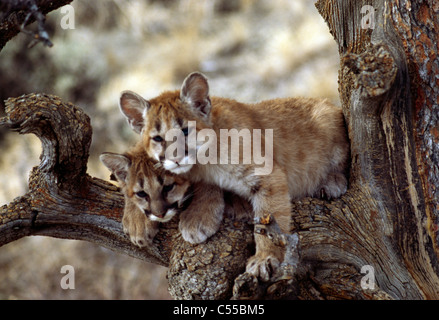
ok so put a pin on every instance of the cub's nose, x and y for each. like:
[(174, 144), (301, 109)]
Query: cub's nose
[(159, 215), (159, 212)]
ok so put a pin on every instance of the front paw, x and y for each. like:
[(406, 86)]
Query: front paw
[(262, 267), (267, 259), (196, 227), (334, 186), (140, 229)]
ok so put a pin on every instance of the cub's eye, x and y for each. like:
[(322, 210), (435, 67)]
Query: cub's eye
[(168, 188), (157, 139), (142, 194), (185, 131)]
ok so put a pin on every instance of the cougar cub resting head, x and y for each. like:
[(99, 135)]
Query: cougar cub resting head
[(303, 141), (154, 195)]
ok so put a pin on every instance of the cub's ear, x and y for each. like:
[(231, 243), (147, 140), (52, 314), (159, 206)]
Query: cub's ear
[(195, 92), (117, 163), (134, 108)]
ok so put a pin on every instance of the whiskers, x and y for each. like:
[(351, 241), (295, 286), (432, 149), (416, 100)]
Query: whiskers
[(158, 165)]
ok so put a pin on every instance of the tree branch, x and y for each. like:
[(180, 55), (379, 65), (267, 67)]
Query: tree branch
[(16, 14), (64, 202), (381, 222), (376, 93)]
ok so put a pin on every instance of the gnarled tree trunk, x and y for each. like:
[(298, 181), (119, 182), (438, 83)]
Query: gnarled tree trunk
[(378, 241)]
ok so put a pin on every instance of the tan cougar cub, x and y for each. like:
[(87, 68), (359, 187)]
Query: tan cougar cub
[(303, 141), (153, 195)]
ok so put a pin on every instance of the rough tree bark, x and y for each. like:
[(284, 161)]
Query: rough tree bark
[(387, 220), (16, 14)]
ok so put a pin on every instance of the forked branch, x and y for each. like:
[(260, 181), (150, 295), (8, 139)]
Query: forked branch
[(64, 202)]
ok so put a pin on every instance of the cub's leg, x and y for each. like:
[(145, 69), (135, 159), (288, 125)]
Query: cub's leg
[(137, 225), (271, 198), (203, 217), (335, 183), (334, 186)]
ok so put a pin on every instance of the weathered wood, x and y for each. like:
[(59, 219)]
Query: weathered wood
[(387, 220), (13, 13), (376, 88), (417, 26), (64, 202)]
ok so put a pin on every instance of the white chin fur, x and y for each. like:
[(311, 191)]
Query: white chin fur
[(169, 165), (181, 169), (175, 168), (168, 216)]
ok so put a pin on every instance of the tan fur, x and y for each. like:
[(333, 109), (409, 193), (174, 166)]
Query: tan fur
[(137, 172), (309, 143)]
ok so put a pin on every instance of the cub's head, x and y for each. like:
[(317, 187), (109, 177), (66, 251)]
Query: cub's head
[(169, 122), (157, 193)]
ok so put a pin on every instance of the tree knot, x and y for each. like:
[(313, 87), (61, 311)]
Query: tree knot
[(374, 70)]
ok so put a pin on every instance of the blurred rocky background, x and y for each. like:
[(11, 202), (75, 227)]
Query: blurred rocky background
[(251, 50)]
